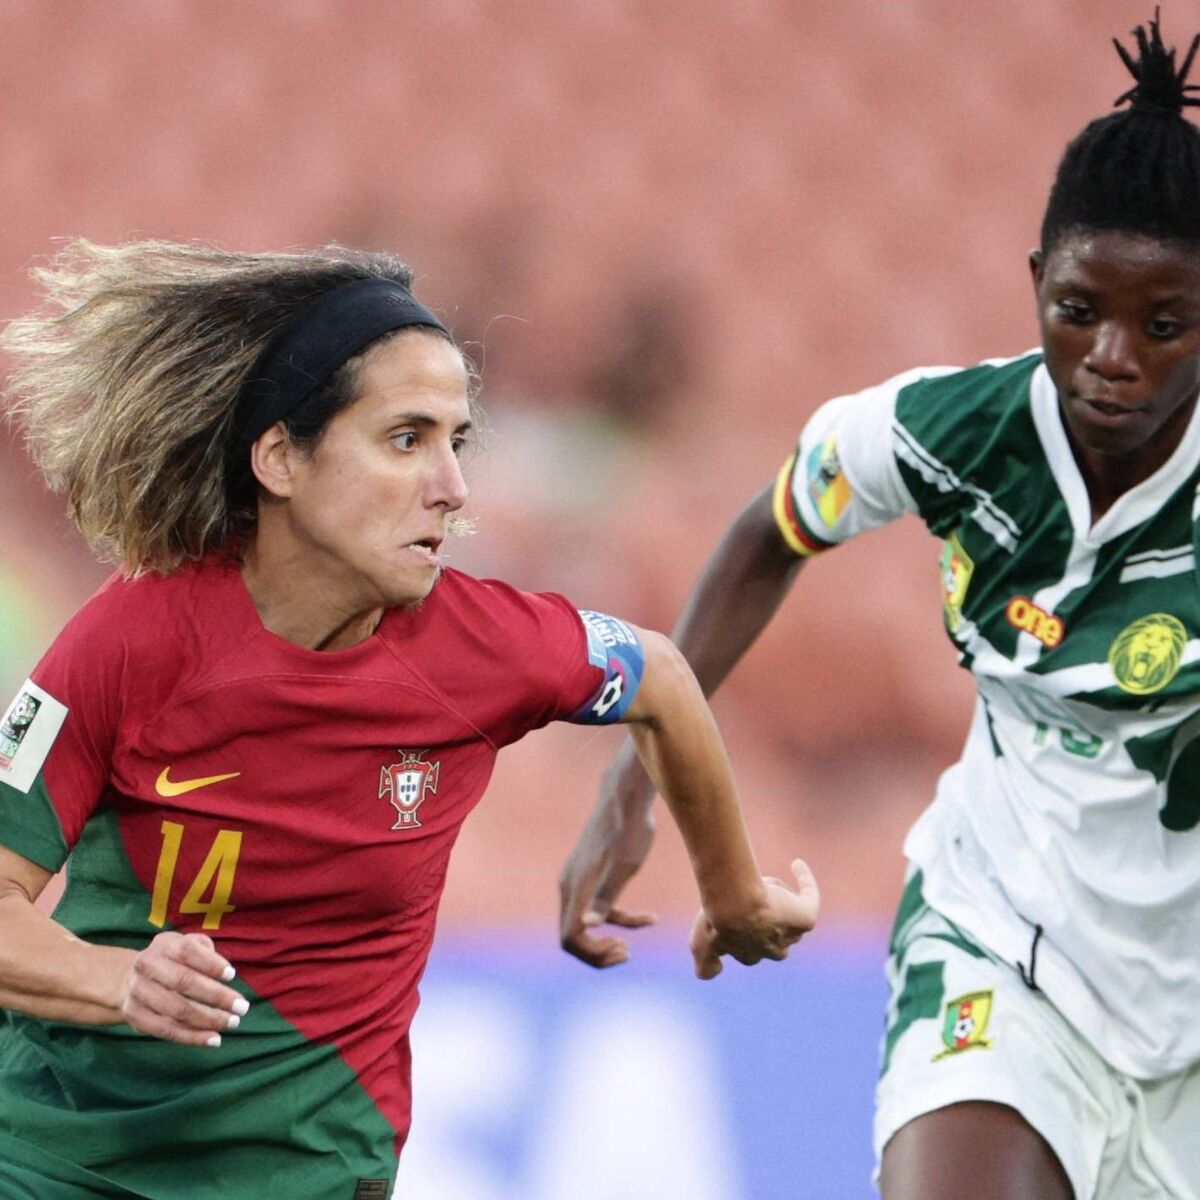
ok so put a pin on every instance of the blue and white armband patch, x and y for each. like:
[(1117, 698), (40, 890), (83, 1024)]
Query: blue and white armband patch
[(616, 649)]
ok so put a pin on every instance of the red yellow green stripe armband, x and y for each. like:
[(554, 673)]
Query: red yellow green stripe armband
[(787, 516)]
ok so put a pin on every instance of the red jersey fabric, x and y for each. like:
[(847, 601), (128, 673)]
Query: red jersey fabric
[(306, 802)]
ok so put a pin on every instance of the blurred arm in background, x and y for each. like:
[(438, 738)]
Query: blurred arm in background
[(680, 753), (738, 592)]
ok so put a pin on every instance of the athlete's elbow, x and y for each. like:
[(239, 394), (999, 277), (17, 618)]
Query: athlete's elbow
[(668, 684)]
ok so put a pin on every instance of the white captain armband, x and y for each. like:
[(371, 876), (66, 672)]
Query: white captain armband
[(616, 649)]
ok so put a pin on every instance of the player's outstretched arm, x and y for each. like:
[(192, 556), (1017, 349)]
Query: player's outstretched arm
[(738, 592), (172, 989), (680, 747)]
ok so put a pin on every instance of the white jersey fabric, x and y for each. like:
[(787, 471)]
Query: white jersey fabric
[(1065, 839)]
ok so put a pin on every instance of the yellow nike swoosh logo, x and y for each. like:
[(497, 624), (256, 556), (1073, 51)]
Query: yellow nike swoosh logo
[(165, 787)]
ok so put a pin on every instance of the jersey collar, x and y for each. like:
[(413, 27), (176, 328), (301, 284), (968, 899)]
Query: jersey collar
[(1138, 504)]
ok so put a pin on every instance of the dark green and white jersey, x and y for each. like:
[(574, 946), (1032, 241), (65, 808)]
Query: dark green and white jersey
[(1074, 807)]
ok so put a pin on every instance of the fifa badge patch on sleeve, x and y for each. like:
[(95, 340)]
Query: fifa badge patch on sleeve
[(616, 649), (966, 1023), (27, 733), (828, 487)]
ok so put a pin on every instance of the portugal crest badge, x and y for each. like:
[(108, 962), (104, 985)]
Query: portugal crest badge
[(966, 1023), (406, 785)]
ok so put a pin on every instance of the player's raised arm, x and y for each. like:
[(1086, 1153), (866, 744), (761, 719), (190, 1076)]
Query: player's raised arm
[(743, 584)]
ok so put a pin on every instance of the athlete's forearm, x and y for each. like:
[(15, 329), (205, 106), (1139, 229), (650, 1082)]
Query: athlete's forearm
[(737, 594), (46, 971), (681, 749), (750, 572)]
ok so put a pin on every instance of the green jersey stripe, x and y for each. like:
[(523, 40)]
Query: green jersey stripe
[(1076, 804), (987, 514), (271, 1107), (31, 826)]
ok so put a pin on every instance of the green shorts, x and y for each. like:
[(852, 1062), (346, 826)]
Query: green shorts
[(30, 1173)]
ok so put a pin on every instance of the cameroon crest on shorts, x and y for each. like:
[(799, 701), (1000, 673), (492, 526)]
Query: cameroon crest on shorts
[(966, 1023), (406, 785)]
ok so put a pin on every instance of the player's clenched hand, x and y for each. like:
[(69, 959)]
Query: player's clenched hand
[(174, 990), (769, 933)]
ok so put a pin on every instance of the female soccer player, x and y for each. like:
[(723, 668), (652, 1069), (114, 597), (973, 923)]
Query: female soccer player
[(1042, 1037), (258, 742)]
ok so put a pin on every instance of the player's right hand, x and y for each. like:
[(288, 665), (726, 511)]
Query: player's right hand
[(770, 932), (176, 990)]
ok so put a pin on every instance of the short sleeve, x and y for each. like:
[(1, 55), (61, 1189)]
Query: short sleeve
[(535, 666), (844, 478), (56, 743), (616, 648)]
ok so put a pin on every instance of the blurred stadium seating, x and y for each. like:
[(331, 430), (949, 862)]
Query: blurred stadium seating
[(668, 232)]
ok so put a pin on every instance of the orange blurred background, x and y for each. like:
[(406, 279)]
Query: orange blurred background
[(667, 232)]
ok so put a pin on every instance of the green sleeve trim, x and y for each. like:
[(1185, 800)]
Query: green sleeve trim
[(29, 825)]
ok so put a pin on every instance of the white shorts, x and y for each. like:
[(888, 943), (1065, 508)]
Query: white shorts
[(963, 1025)]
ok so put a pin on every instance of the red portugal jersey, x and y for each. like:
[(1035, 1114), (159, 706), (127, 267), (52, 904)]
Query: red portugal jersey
[(299, 807)]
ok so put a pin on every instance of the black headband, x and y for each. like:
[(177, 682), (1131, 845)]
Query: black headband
[(304, 352)]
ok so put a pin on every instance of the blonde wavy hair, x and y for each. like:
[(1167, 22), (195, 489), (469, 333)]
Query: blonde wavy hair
[(125, 383)]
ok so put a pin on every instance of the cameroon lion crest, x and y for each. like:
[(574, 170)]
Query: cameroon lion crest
[(1146, 655)]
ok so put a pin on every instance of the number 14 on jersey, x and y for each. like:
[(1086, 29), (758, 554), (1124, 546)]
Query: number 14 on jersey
[(216, 875)]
